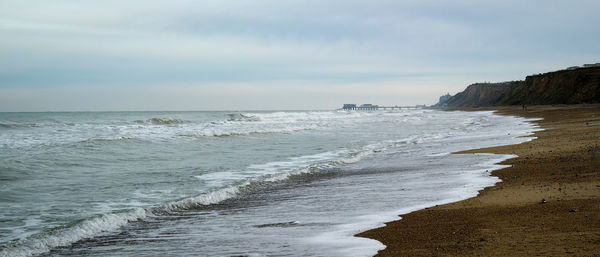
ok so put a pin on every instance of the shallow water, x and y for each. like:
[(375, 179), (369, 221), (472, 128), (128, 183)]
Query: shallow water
[(232, 183)]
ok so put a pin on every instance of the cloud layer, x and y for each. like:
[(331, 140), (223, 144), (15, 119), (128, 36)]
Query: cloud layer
[(135, 55)]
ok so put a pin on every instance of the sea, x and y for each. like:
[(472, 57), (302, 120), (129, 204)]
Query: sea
[(234, 183)]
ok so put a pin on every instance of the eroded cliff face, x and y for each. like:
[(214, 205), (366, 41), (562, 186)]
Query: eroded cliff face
[(577, 86), (483, 94), (574, 86)]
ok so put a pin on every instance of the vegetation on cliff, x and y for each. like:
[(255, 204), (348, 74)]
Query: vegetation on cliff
[(571, 86)]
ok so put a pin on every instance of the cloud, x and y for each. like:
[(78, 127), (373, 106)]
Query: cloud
[(345, 46)]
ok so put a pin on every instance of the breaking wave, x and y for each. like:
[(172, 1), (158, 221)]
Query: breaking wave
[(272, 173), (241, 117), (65, 236), (241, 131), (160, 121), (41, 243), (108, 139)]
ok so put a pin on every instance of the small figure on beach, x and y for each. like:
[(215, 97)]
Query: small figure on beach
[(524, 107)]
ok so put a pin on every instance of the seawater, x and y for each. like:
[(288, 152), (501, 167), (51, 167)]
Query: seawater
[(253, 183)]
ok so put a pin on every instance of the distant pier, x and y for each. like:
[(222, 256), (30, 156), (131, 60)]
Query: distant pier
[(372, 107)]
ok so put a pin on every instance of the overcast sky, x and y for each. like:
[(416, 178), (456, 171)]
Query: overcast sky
[(69, 55)]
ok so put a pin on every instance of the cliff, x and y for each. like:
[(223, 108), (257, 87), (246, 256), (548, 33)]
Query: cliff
[(571, 86), (575, 86), (481, 94)]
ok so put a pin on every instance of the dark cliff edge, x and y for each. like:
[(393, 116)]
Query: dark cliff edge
[(576, 86), (572, 86), (481, 95)]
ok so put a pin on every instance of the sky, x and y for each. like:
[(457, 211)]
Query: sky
[(119, 55)]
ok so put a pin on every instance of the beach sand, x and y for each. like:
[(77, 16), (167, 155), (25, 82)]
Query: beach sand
[(548, 203)]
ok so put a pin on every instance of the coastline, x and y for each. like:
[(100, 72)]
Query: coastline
[(559, 168)]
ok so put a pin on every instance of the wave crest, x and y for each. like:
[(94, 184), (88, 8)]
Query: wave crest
[(161, 121), (272, 173), (223, 132), (41, 243), (241, 117), (108, 139)]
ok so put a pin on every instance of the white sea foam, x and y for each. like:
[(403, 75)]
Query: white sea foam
[(241, 117), (232, 183), (42, 243), (205, 199), (242, 130), (108, 139), (161, 121), (267, 173), (161, 128), (342, 238)]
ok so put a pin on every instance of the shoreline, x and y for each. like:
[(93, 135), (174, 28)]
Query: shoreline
[(547, 204)]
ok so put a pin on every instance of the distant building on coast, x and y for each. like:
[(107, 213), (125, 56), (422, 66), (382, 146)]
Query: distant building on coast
[(349, 107), (368, 107), (361, 107)]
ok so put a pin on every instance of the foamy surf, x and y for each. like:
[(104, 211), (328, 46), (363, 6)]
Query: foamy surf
[(60, 237), (227, 131), (344, 242), (90, 179), (257, 176), (161, 121)]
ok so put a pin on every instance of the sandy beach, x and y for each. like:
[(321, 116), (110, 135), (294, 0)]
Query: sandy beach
[(548, 203)]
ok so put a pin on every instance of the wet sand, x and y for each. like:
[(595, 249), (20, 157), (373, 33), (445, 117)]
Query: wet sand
[(548, 203)]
